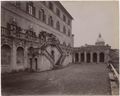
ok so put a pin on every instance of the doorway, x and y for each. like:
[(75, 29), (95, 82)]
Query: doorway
[(36, 66), (30, 63)]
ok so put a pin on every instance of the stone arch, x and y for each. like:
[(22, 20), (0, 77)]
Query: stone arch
[(88, 57), (102, 56), (82, 57), (20, 56), (94, 57), (5, 55), (76, 57)]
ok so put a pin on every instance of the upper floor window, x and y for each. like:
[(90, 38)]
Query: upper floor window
[(58, 25), (69, 45), (42, 15), (69, 23), (17, 4), (44, 2), (69, 33), (50, 21), (51, 5), (64, 29), (30, 8), (58, 12), (64, 18)]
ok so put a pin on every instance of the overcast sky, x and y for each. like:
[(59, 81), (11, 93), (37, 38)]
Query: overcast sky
[(92, 18)]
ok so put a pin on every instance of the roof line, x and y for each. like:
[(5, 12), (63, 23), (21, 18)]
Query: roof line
[(64, 9)]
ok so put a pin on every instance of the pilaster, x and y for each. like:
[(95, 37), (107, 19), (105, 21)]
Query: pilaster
[(14, 57), (98, 58), (79, 57), (91, 57), (85, 58)]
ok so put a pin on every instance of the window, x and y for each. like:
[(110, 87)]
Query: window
[(58, 12), (51, 5), (44, 2), (69, 22), (69, 45), (30, 8), (42, 15), (69, 33), (50, 21), (64, 18), (64, 29), (58, 25), (17, 4)]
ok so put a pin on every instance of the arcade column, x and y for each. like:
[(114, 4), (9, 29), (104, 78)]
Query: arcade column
[(98, 58), (85, 56), (14, 65), (91, 59), (79, 57), (25, 57)]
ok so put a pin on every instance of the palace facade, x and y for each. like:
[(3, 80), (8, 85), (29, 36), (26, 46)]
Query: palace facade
[(35, 35)]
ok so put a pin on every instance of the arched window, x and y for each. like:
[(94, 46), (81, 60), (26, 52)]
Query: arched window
[(30, 8), (82, 57), (20, 56), (5, 55), (94, 57), (51, 5), (101, 55), (88, 57), (42, 15), (64, 29), (50, 21), (58, 25), (76, 57)]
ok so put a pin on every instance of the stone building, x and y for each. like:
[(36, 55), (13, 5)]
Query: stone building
[(98, 53), (35, 35)]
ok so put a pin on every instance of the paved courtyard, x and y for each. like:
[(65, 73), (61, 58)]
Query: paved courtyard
[(77, 79)]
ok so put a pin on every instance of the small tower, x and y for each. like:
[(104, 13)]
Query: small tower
[(100, 41)]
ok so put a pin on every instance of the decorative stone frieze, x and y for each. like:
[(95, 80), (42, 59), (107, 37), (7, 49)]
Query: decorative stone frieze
[(7, 41)]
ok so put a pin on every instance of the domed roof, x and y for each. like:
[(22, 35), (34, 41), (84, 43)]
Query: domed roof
[(100, 39)]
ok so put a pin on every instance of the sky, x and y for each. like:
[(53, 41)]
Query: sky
[(92, 18)]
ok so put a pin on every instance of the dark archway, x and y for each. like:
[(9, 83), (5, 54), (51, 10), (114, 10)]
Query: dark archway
[(102, 56), (20, 56), (76, 57), (82, 57), (36, 64), (88, 57), (5, 55), (94, 57)]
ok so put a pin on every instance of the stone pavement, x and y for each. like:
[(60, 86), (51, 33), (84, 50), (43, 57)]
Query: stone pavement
[(77, 79)]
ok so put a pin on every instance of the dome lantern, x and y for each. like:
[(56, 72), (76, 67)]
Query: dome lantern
[(100, 41)]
